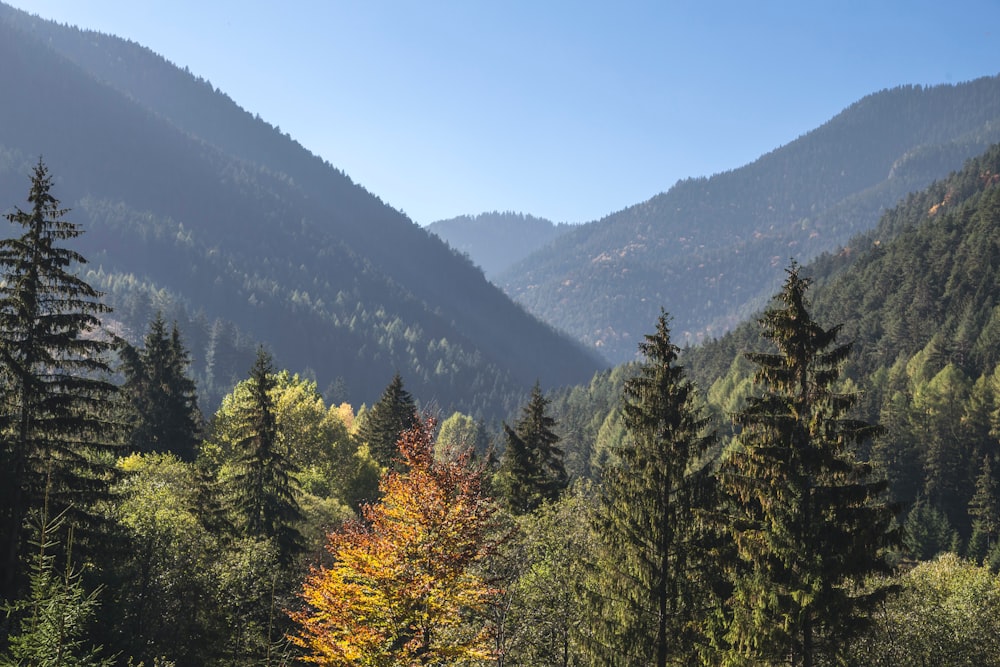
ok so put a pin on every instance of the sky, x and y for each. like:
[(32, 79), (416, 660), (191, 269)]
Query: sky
[(564, 110)]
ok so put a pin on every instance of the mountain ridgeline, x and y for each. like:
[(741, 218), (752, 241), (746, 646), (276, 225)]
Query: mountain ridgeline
[(194, 207), (497, 241), (711, 250)]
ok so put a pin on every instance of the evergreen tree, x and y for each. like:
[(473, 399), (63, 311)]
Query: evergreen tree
[(55, 397), (646, 593), (807, 520), (394, 414), (984, 508), (531, 467), (161, 394), (263, 486)]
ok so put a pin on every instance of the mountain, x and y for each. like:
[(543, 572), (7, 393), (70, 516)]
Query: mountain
[(711, 250), (919, 299), (193, 206), (497, 241)]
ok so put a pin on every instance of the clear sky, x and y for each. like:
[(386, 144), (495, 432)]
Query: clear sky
[(564, 110)]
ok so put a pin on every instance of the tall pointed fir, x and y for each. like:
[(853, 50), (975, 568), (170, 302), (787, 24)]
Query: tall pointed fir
[(531, 467), (56, 399), (393, 414), (161, 394), (264, 490), (807, 519), (646, 593)]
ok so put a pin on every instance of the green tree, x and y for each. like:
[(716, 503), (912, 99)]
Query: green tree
[(162, 396), (55, 615), (458, 434), (56, 400), (531, 467), (946, 612), (393, 414), (648, 587), (263, 484), (808, 522), (927, 532), (984, 508)]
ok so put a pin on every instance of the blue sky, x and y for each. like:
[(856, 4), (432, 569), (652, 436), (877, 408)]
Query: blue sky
[(564, 110)]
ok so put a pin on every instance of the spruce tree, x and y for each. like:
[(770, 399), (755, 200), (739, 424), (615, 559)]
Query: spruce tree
[(646, 594), (163, 400), (394, 414), (56, 399), (263, 486), (531, 468), (807, 519)]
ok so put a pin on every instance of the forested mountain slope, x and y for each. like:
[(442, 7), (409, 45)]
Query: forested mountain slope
[(712, 250), (496, 241), (919, 297), (194, 206)]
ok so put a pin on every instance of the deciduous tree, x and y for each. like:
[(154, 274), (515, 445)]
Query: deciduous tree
[(406, 586)]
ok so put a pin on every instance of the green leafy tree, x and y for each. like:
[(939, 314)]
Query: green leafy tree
[(393, 414), (808, 522), (162, 396), (531, 468), (946, 612), (56, 400), (458, 434), (536, 612), (647, 593), (263, 484), (166, 607)]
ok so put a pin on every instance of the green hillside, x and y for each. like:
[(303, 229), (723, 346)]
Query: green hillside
[(711, 250), (193, 206)]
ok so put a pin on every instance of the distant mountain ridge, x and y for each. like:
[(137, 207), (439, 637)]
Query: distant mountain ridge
[(194, 206), (496, 241), (711, 250)]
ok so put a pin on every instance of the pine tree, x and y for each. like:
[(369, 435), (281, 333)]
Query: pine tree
[(263, 486), (646, 595), (394, 414), (56, 400), (807, 520), (162, 395), (984, 508), (531, 468)]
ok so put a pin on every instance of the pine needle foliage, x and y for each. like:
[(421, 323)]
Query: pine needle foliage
[(57, 429), (263, 485), (531, 468), (808, 521), (647, 591)]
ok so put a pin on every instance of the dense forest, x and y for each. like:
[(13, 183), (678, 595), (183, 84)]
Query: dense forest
[(200, 210), (815, 488), (711, 250)]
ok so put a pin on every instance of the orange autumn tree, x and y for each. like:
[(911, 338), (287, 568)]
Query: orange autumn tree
[(406, 586)]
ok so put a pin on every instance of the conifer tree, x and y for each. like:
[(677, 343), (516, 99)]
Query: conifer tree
[(531, 467), (55, 395), (263, 486), (644, 598), (984, 508), (807, 520), (393, 414), (162, 396)]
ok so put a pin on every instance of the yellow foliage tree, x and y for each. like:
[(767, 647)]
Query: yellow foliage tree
[(406, 585)]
